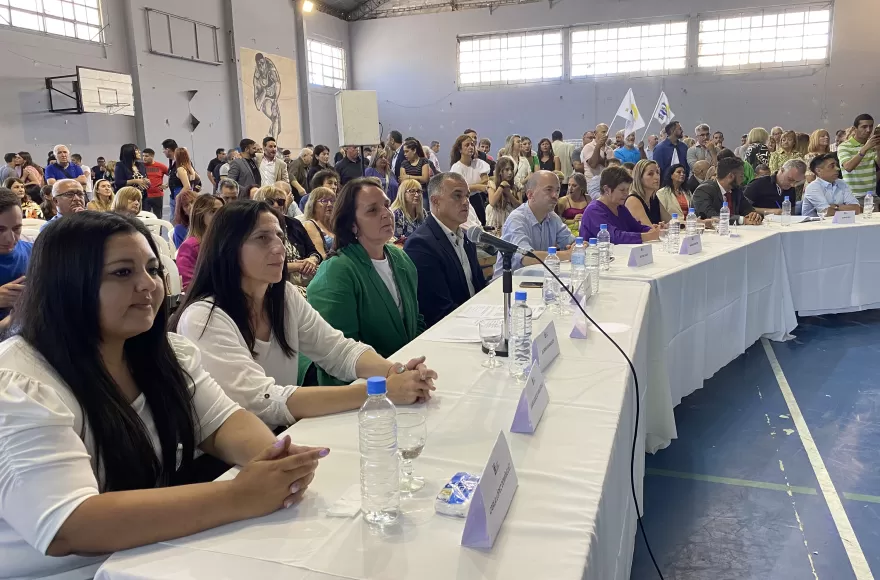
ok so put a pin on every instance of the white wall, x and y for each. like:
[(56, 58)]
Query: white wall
[(421, 98), (322, 101)]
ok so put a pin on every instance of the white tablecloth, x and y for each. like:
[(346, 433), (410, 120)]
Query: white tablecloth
[(833, 268), (572, 516)]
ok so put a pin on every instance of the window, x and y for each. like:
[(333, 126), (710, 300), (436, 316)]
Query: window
[(767, 38), (508, 59), (326, 65), (72, 18), (604, 50)]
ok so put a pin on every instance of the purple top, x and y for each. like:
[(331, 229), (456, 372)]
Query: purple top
[(623, 227)]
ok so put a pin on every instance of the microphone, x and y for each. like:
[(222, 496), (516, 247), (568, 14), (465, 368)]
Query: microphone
[(477, 236)]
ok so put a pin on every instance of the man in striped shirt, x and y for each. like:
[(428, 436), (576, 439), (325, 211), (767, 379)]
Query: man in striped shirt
[(858, 157)]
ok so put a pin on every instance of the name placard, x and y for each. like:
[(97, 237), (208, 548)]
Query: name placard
[(641, 256), (532, 402), (691, 245), (491, 499), (844, 217), (545, 347)]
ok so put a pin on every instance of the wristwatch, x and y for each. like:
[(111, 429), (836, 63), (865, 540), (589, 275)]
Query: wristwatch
[(396, 368)]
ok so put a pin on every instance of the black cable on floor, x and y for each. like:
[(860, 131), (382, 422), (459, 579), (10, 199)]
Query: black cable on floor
[(632, 368)]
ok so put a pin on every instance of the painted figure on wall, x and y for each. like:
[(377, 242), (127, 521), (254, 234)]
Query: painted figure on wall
[(267, 91)]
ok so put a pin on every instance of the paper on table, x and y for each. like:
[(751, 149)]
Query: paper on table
[(795, 219), (493, 311), (454, 329)]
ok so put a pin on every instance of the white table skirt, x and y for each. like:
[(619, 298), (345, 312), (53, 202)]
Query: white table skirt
[(571, 518)]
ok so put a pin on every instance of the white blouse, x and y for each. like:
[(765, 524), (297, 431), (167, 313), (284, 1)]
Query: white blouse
[(263, 385), (47, 470)]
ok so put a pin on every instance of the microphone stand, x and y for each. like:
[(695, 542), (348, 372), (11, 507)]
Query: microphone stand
[(507, 287)]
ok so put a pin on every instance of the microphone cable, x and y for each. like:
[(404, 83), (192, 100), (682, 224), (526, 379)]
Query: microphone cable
[(632, 368)]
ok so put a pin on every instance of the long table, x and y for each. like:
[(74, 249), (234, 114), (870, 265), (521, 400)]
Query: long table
[(571, 518)]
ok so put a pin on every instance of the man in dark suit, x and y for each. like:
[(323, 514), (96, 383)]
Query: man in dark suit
[(449, 272), (726, 187)]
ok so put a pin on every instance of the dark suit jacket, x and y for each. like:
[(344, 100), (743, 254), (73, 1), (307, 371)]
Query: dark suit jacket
[(708, 199), (442, 286)]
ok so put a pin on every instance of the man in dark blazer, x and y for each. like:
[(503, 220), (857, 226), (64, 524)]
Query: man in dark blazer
[(709, 196), (449, 272)]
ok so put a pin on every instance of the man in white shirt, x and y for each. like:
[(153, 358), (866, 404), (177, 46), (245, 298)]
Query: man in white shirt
[(272, 169), (562, 150), (596, 154), (649, 150), (828, 192), (446, 261), (231, 156), (435, 149)]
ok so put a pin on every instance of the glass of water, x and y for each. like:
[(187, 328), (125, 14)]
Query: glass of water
[(701, 227), (490, 335), (664, 236), (412, 433), (822, 213)]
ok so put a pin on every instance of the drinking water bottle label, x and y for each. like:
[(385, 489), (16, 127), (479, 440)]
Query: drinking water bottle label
[(492, 498)]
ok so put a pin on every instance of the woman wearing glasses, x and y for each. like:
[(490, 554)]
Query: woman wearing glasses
[(316, 219), (409, 210)]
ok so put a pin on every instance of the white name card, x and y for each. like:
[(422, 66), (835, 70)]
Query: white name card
[(532, 402), (691, 245), (491, 499), (845, 217), (641, 256), (545, 347)]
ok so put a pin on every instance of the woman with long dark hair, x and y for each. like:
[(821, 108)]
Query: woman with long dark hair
[(252, 327), (30, 171), (202, 213), (320, 162), (29, 208), (89, 466), (130, 170), (182, 211), (674, 194), (367, 287)]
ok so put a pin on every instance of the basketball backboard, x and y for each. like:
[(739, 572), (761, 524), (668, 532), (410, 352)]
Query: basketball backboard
[(92, 91)]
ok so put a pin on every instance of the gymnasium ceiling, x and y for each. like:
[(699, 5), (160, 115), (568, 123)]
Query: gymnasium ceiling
[(367, 9)]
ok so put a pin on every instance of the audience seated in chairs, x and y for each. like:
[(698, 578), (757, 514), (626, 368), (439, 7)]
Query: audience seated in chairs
[(643, 203), (203, 211), (610, 209), (77, 392), (408, 210), (449, 272), (325, 178), (572, 205), (15, 254), (127, 202), (301, 256), (182, 209), (317, 219), (828, 192), (768, 193), (228, 190), (367, 287), (68, 198), (503, 196), (103, 196), (674, 196), (709, 197), (252, 327), (30, 209)]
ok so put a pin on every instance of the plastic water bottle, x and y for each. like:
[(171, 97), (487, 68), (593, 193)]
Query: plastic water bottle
[(691, 222), (673, 239), (869, 205), (593, 265), (520, 341), (578, 266), (380, 465), (551, 286), (786, 212), (604, 240), (724, 220)]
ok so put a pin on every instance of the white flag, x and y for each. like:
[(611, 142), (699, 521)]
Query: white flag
[(663, 114), (629, 111)]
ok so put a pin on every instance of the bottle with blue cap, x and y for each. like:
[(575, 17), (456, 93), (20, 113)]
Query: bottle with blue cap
[(724, 220), (578, 267), (520, 342), (551, 286), (673, 239), (380, 465), (603, 239)]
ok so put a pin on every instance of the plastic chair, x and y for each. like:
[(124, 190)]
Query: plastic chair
[(30, 234), (162, 245), (175, 286), (157, 226), (32, 223)]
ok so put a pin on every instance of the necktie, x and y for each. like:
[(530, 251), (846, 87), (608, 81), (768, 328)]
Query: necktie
[(729, 199)]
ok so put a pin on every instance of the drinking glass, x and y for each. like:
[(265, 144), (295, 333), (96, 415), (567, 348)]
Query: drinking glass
[(822, 213), (664, 236), (412, 433), (701, 227), (490, 335)]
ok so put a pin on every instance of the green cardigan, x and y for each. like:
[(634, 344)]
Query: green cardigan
[(350, 295)]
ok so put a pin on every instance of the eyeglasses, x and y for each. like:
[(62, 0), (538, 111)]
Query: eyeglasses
[(279, 202), (72, 194), (413, 191), (325, 201)]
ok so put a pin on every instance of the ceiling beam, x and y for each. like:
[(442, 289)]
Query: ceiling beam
[(321, 7), (365, 9), (375, 10)]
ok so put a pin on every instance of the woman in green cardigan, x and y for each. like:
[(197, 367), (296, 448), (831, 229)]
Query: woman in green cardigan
[(366, 287)]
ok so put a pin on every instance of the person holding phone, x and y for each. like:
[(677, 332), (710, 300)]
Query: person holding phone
[(858, 157)]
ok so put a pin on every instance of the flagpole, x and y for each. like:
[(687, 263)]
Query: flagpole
[(654, 114)]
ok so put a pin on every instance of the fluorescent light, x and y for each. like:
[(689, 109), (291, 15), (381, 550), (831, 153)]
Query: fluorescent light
[(308, 5)]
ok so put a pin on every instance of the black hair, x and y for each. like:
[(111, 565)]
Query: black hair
[(268, 139), (862, 117), (218, 274), (217, 152), (468, 131), (76, 157), (148, 151), (317, 151), (728, 165), (8, 199), (725, 153), (820, 159), (68, 261), (321, 176), (169, 144), (35, 192), (245, 143), (614, 177), (557, 135), (9, 157), (541, 153), (127, 156), (667, 177), (342, 221), (286, 152), (670, 127), (629, 165), (100, 159), (396, 136), (412, 143)]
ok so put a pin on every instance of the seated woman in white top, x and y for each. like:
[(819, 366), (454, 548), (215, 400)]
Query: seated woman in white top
[(252, 326), (86, 467)]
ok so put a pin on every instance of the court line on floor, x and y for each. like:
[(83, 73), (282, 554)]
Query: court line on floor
[(733, 481), (847, 535)]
